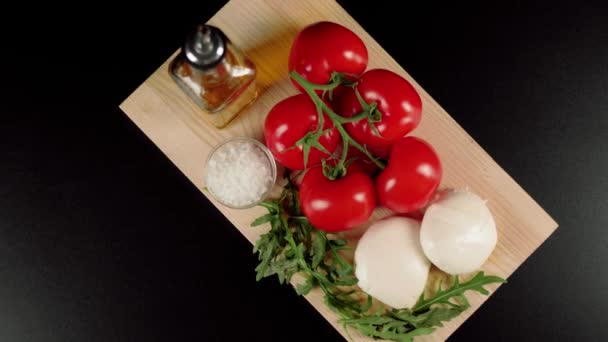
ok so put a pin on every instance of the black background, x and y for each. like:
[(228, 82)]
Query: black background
[(103, 239)]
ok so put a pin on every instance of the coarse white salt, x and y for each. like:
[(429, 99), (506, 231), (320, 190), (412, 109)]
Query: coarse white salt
[(239, 173)]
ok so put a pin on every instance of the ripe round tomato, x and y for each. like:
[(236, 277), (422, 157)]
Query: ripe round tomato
[(337, 205), (411, 177), (289, 121), (324, 47), (397, 100)]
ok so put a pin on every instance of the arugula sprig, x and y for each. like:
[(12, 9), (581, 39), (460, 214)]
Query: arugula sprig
[(293, 245), (427, 315)]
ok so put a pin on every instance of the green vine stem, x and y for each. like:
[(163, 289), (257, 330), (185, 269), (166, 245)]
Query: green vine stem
[(337, 120)]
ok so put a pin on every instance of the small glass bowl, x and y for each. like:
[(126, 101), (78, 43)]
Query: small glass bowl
[(271, 163)]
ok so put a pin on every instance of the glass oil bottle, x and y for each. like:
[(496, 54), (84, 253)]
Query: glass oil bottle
[(215, 74)]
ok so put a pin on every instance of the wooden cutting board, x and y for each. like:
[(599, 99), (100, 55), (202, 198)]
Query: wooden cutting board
[(265, 30)]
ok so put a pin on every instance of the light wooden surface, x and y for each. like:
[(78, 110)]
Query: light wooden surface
[(265, 30)]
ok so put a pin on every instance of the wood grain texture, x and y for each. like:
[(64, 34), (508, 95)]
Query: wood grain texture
[(265, 30)]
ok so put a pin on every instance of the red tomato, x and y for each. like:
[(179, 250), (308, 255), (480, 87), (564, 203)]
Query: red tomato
[(337, 205), (411, 177), (324, 47), (397, 100), (289, 121)]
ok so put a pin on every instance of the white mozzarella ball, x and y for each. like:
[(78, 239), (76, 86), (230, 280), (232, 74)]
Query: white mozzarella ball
[(390, 263), (458, 233)]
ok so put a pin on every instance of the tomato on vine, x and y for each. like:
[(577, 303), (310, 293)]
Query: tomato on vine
[(340, 204), (292, 133), (394, 108), (411, 177), (323, 48)]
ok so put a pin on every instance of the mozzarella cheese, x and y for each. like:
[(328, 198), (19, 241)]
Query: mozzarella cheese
[(390, 263), (458, 233)]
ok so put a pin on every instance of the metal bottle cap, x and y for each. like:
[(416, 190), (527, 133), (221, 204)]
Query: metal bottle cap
[(205, 46)]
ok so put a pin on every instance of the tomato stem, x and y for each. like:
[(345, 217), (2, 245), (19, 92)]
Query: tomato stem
[(371, 110), (344, 152), (329, 86), (335, 118), (321, 120), (359, 116)]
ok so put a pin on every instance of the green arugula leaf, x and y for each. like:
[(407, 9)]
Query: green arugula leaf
[(476, 283), (338, 243), (262, 219), (272, 207), (375, 320), (435, 316), (293, 245), (304, 288), (318, 249)]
